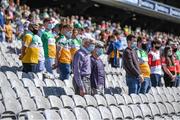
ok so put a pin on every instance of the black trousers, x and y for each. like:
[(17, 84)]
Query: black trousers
[(29, 67)]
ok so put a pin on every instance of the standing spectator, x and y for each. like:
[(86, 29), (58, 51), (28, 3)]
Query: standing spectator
[(143, 64), (8, 31), (30, 50), (97, 70), (169, 67), (49, 45), (134, 77), (2, 25), (82, 67), (154, 60), (113, 51)]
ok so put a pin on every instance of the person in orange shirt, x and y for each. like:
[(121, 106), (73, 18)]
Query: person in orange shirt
[(8, 31)]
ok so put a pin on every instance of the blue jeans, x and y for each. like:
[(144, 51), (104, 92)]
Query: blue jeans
[(156, 80), (177, 82), (40, 66), (146, 85), (65, 70), (133, 84), (48, 64)]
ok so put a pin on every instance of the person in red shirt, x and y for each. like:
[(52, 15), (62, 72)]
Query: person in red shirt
[(169, 67)]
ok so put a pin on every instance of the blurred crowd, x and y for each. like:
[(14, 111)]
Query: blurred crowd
[(74, 44)]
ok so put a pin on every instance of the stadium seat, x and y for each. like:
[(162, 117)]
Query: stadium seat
[(157, 98), (79, 101), (120, 100), (8, 92), (21, 91), (162, 109), (55, 102), (143, 98), (90, 100), (27, 104), (22, 75), (127, 112), (12, 105), (67, 114), (69, 83), (59, 83), (67, 101), (49, 83), (170, 98), (127, 99), (150, 98), (110, 100), (100, 100), (153, 91), (69, 91), (105, 113), (170, 109), (39, 83), (116, 113), (146, 111), (27, 82), (136, 111), (51, 115), (32, 115), (81, 114), (42, 103), (3, 80), (154, 110), (164, 98), (176, 107), (2, 110), (94, 114), (160, 90), (34, 91), (136, 99)]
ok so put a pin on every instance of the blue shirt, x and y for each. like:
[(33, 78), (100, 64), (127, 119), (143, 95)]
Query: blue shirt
[(81, 66), (2, 21)]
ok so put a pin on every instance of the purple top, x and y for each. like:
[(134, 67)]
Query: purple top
[(98, 73), (81, 66)]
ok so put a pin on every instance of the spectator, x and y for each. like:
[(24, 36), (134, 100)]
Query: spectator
[(8, 31), (82, 67), (30, 50), (97, 70), (143, 64), (169, 67), (49, 45), (113, 51), (2, 25), (154, 60), (134, 78)]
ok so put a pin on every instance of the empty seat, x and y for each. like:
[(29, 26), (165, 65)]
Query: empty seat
[(176, 90), (153, 91), (110, 99), (94, 114), (176, 97), (164, 98), (90, 100), (158, 98), (55, 102), (69, 91), (176, 107), (120, 100), (143, 98), (160, 90), (8, 92), (127, 113), (170, 98), (150, 98), (79, 101), (49, 83), (41, 102), (12, 105), (59, 83), (162, 109), (11, 75), (51, 115), (146, 111), (66, 114), (136, 99), (69, 83), (27, 82), (67, 101), (170, 90), (100, 100), (136, 111), (154, 109), (39, 83), (3, 80), (105, 113), (81, 114), (27, 104), (170, 109), (2, 109), (33, 91), (166, 90), (127, 99), (21, 91), (32, 115), (116, 113)]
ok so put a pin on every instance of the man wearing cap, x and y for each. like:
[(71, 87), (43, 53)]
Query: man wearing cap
[(49, 45), (97, 70), (30, 50), (82, 67)]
